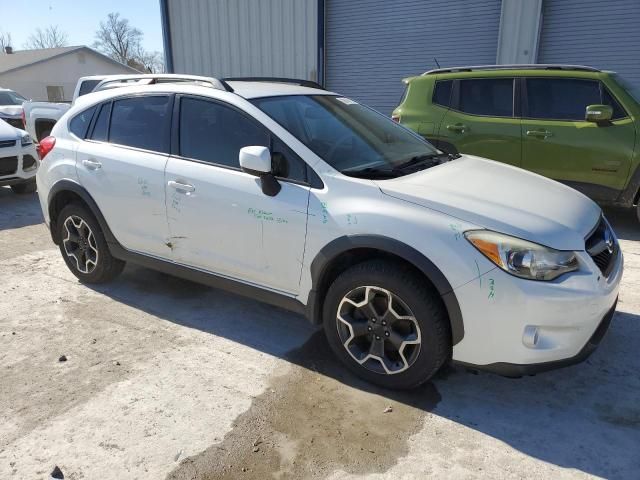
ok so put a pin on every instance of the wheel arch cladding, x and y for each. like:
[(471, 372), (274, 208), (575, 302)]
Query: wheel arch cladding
[(65, 192), (343, 252)]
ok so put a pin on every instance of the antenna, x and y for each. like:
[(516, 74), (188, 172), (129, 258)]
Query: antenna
[(436, 60)]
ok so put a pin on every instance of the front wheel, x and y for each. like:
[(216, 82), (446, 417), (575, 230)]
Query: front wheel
[(83, 246), (386, 324)]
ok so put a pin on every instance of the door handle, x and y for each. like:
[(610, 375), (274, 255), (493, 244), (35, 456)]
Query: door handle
[(458, 127), (539, 133), (91, 164), (181, 187)]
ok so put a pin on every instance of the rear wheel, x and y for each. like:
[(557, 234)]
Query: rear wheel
[(83, 246), (387, 325), (24, 188)]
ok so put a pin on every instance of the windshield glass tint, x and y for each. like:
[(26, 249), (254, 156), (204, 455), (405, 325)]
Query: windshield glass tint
[(345, 134), (11, 98)]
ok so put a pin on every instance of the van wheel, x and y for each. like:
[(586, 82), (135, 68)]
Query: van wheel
[(387, 325), (84, 248), (24, 188)]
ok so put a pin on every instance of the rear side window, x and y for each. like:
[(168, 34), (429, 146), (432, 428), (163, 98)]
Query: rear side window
[(442, 93), (561, 98), (80, 123), (215, 133), (141, 122), (101, 125), (87, 87), (492, 97)]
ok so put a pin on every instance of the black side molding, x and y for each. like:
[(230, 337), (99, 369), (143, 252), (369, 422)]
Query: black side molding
[(332, 250)]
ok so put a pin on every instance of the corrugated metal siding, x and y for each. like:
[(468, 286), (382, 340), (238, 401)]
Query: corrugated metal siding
[(601, 34), (244, 37), (372, 44)]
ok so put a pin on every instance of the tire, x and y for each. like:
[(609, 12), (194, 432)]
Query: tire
[(423, 332), (88, 257), (638, 210), (24, 188)]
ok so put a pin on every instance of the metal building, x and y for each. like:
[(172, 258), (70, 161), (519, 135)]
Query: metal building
[(363, 48)]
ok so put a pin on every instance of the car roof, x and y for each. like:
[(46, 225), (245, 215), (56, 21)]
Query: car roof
[(272, 89)]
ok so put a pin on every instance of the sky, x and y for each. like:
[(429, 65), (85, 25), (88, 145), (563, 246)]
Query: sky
[(79, 18)]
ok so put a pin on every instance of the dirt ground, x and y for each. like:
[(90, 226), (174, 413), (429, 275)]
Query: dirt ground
[(169, 379)]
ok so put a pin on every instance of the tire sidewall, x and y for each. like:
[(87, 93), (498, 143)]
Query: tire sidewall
[(429, 315)]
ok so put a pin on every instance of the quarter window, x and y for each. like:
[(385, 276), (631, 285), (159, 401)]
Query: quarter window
[(214, 133), (80, 123), (561, 98), (442, 93), (492, 97), (141, 122)]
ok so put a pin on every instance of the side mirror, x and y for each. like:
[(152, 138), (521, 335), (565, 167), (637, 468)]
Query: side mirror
[(256, 160), (600, 114)]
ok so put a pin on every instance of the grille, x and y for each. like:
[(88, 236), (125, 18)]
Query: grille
[(28, 162), (8, 165), (7, 143), (602, 247)]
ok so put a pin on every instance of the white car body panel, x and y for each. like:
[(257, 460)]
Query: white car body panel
[(228, 227), (10, 148), (44, 111)]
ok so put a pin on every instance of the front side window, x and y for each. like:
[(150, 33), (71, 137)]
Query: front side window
[(491, 97), (141, 122), (80, 123), (348, 136), (215, 133), (561, 98)]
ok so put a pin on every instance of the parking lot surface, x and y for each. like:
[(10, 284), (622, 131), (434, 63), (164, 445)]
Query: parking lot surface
[(164, 378)]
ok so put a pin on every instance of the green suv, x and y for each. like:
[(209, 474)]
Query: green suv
[(574, 124)]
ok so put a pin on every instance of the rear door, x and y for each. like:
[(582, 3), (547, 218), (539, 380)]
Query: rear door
[(219, 218), (121, 164), (482, 120), (559, 143)]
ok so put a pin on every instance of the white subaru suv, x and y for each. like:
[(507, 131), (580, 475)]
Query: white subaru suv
[(308, 200)]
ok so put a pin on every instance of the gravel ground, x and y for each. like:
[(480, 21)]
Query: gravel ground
[(168, 379)]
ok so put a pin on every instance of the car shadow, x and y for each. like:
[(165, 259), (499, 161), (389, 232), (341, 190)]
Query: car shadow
[(625, 222), (585, 417), (18, 211)]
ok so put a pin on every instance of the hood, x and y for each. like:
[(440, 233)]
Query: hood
[(7, 132), (502, 198), (10, 110)]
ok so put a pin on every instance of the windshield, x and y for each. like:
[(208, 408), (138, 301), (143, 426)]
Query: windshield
[(11, 98), (632, 89), (348, 136)]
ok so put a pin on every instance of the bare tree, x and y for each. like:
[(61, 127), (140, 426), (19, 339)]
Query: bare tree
[(5, 41), (152, 62), (50, 37), (118, 39)]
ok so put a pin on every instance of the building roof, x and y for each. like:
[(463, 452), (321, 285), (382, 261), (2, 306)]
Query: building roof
[(24, 58)]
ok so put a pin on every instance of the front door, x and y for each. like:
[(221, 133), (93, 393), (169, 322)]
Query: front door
[(219, 219), (481, 120), (559, 143), (122, 164)]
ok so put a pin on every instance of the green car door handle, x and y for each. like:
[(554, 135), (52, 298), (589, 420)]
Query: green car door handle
[(458, 127), (539, 133)]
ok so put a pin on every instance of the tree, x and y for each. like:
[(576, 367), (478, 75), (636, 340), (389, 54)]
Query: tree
[(152, 62), (50, 37), (118, 39), (5, 41)]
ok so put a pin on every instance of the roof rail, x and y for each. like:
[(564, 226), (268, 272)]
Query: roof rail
[(523, 66), (115, 81), (292, 81)]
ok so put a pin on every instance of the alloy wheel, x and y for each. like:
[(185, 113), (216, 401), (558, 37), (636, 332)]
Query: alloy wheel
[(378, 330), (80, 244)]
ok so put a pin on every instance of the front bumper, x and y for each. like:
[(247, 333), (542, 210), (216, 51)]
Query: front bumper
[(18, 164), (568, 316)]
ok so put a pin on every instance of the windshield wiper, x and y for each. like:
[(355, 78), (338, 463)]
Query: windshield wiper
[(432, 158), (373, 172)]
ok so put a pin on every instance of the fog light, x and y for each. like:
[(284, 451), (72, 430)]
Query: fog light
[(530, 336)]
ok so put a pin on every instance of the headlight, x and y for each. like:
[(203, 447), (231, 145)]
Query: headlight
[(521, 258), (26, 140)]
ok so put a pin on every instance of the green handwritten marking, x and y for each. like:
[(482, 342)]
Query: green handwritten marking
[(352, 219), (479, 276), (265, 216), (325, 212), (144, 187), (492, 288), (456, 230)]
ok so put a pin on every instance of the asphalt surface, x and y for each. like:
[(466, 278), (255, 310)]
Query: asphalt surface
[(164, 378)]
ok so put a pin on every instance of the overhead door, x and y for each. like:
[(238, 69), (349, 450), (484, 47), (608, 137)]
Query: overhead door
[(372, 44), (602, 34)]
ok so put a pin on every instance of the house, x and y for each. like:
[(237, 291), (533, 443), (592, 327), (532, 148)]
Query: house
[(51, 73), (363, 48)]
